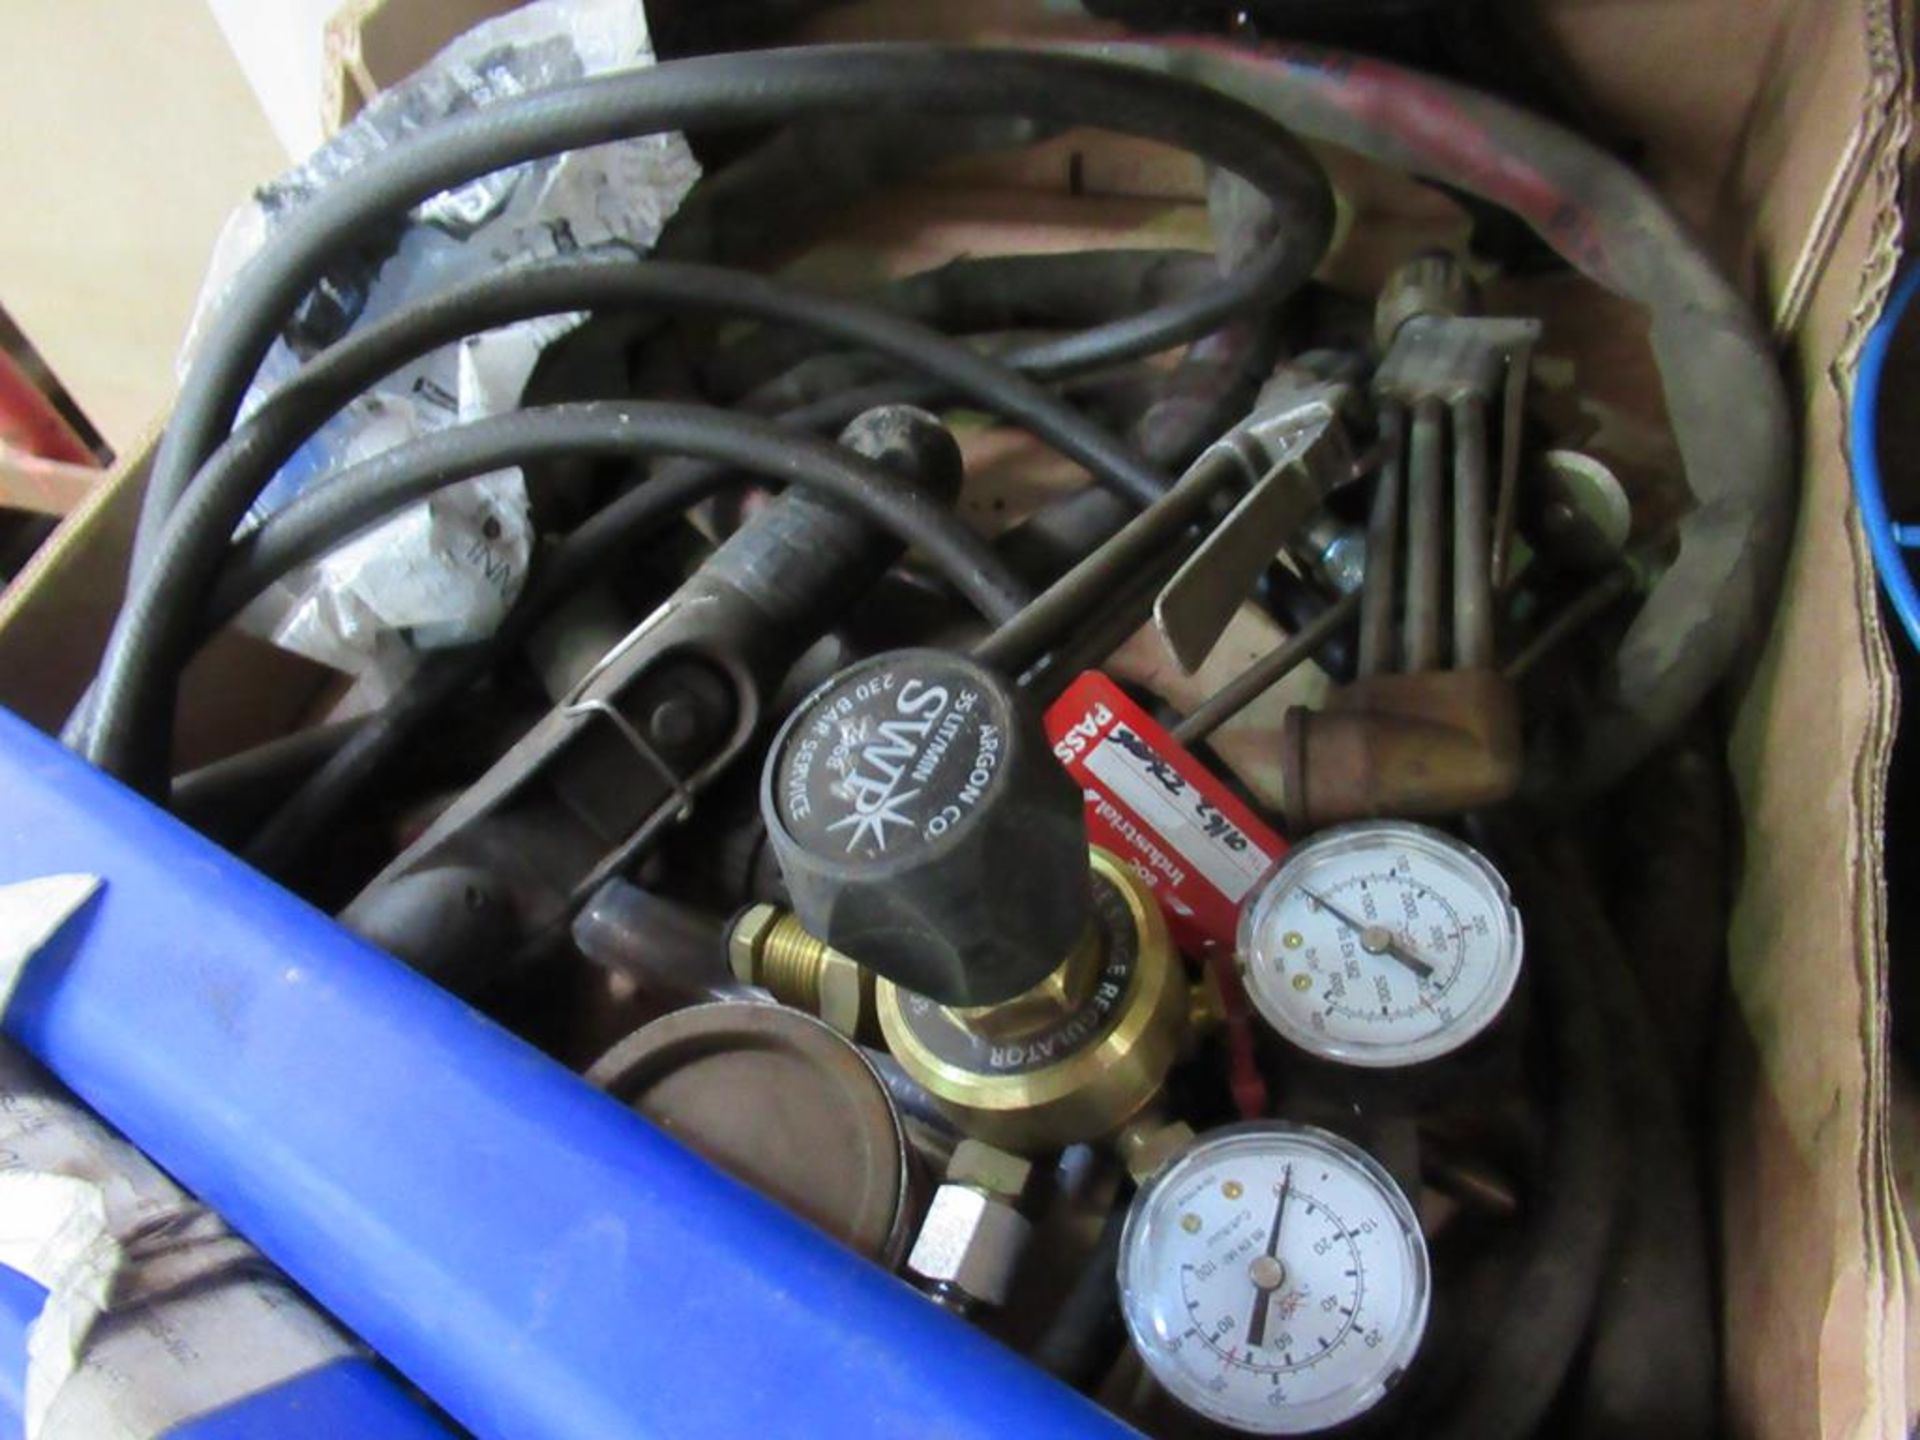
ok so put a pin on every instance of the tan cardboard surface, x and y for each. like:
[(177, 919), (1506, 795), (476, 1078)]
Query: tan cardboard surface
[(1817, 1261), (55, 617), (372, 43)]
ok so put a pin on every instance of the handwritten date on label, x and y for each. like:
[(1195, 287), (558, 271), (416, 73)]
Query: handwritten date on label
[(1153, 803)]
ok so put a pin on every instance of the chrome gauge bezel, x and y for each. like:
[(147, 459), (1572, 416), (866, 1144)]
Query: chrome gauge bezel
[(1262, 952), (1147, 1301)]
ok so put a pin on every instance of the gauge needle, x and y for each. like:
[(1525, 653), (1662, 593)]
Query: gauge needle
[(1268, 1275), (1375, 939)]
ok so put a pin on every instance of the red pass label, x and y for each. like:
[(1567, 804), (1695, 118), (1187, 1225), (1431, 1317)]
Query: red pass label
[(1154, 805)]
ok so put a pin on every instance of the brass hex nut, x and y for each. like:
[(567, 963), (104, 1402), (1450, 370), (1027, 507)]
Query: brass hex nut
[(844, 993), (1063, 991), (1146, 1146), (768, 947), (745, 940), (990, 1169)]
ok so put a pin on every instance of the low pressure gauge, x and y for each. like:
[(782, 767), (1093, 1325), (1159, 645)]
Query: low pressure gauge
[(1274, 1279), (1381, 944)]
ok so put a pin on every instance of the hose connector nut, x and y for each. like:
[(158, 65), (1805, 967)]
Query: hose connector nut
[(769, 947)]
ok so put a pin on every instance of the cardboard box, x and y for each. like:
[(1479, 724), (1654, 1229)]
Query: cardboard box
[(1778, 129)]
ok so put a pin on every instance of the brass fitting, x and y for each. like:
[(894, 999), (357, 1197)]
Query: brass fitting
[(1433, 743), (1149, 1143), (990, 1169), (1430, 284), (769, 947), (1073, 1060), (1058, 995), (1206, 1006)]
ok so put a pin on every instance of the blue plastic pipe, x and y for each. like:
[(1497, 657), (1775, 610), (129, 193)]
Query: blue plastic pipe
[(350, 1397), (20, 1301), (1888, 541), (537, 1259)]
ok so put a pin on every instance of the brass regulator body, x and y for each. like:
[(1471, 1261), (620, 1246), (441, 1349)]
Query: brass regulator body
[(1077, 1056), (924, 828)]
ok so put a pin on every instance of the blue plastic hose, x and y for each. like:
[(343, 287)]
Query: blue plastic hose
[(1889, 541), (20, 1302), (538, 1259)]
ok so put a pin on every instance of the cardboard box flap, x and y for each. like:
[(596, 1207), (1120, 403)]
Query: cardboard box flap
[(1818, 1261)]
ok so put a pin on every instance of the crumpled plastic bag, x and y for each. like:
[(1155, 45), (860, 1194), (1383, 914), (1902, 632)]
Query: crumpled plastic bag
[(446, 571)]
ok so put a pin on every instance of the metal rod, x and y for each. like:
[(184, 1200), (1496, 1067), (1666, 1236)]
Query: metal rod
[(1024, 638), (1472, 539), (1426, 525), (1512, 409), (1118, 621), (1580, 611), (1266, 672), (1383, 545)]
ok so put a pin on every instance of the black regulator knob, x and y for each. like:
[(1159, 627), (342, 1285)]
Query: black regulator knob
[(925, 829)]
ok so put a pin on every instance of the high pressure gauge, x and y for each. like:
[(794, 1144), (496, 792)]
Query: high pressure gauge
[(1381, 944), (1274, 1279)]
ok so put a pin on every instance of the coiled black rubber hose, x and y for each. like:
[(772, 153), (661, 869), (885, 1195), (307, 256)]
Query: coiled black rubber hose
[(977, 295), (120, 727), (1521, 1358), (127, 721), (1086, 1332), (760, 88)]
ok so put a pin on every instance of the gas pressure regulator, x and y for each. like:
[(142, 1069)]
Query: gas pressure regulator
[(924, 830), (1272, 1275)]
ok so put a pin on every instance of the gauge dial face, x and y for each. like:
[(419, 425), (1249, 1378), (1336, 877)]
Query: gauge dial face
[(1381, 944), (1274, 1279)]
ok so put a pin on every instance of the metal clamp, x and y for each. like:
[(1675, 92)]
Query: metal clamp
[(616, 859), (682, 792), (1294, 452)]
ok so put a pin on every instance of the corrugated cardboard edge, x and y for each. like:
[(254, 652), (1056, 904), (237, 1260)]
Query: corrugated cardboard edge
[(1818, 1262), (1890, 42), (48, 651), (57, 613)]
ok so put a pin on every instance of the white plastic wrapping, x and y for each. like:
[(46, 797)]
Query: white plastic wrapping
[(445, 572)]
